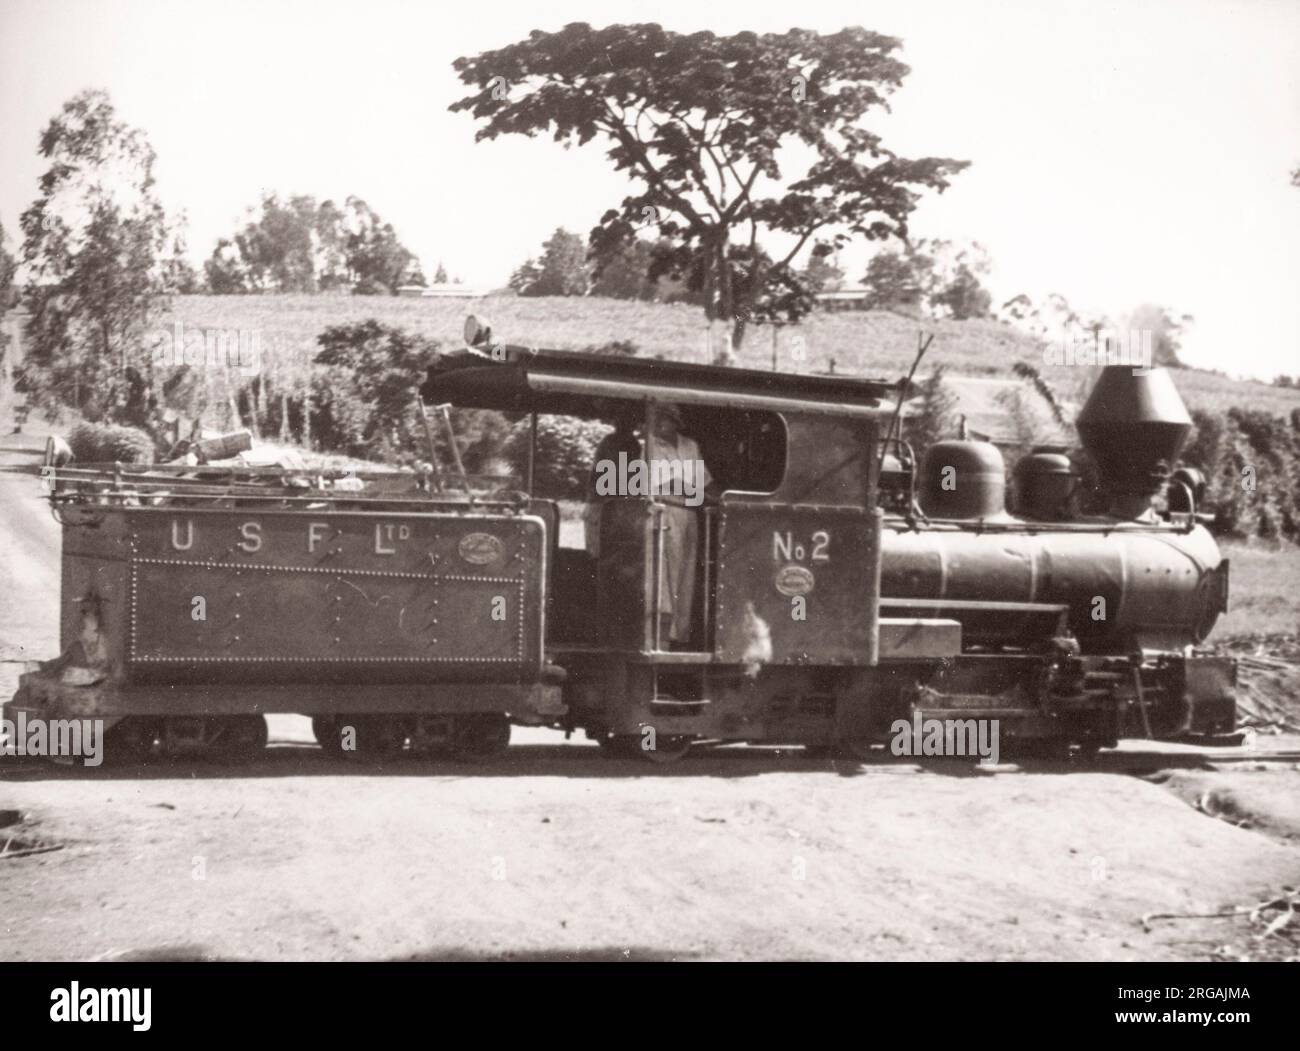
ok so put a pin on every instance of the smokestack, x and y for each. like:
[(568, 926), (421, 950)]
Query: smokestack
[(1133, 425)]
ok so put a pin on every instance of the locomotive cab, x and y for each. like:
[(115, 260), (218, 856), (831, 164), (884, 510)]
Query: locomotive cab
[(692, 614)]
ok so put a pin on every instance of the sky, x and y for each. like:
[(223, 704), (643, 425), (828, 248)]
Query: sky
[(1122, 153)]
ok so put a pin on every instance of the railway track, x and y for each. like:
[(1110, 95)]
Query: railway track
[(1128, 760)]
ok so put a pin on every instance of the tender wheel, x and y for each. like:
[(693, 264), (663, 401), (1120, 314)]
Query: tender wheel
[(359, 736), (241, 736), (854, 749), (326, 730), (479, 738), (132, 740)]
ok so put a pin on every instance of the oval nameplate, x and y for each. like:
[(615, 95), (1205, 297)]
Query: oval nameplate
[(794, 580), (480, 548)]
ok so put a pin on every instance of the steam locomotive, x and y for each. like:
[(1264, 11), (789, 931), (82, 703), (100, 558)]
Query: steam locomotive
[(839, 589)]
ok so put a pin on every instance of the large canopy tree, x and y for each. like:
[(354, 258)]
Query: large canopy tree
[(705, 126)]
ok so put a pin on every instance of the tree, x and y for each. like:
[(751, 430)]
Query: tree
[(954, 281), (897, 281), (364, 399), (963, 297), (364, 393), (440, 275), (562, 270), (1166, 332), (300, 245), (702, 124), (822, 275), (624, 273), (93, 241), (932, 419), (527, 275), (178, 274), (8, 267), (1019, 309), (376, 259)]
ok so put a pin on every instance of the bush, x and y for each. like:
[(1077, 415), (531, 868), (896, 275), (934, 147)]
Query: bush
[(935, 418), (364, 401), (109, 443), (1251, 460), (566, 449), (364, 396)]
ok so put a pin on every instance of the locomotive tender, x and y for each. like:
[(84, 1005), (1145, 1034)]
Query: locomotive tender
[(426, 612)]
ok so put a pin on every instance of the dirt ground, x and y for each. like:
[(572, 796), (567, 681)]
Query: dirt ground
[(560, 852)]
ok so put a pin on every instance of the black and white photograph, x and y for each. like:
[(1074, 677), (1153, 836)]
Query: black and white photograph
[(581, 485)]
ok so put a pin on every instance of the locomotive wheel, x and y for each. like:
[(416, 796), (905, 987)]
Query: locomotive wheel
[(620, 746), (480, 737), (1043, 749), (667, 749), (1089, 748)]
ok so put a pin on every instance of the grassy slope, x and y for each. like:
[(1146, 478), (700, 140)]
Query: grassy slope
[(874, 344), (1264, 590)]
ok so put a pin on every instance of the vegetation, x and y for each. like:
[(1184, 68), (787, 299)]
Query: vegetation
[(363, 402), (934, 418), (1265, 591), (1251, 460), (109, 443), (867, 343), (94, 241), (108, 274), (940, 275), (561, 271), (566, 448), (701, 123), (303, 246)]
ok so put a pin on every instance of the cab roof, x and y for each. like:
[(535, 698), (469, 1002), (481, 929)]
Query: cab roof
[(573, 383)]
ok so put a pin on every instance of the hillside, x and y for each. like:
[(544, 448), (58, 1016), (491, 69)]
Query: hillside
[(867, 343)]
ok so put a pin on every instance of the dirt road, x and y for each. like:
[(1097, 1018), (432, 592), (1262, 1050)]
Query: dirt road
[(561, 852)]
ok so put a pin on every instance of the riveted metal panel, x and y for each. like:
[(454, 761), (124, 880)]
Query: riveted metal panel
[(805, 578), (258, 595)]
